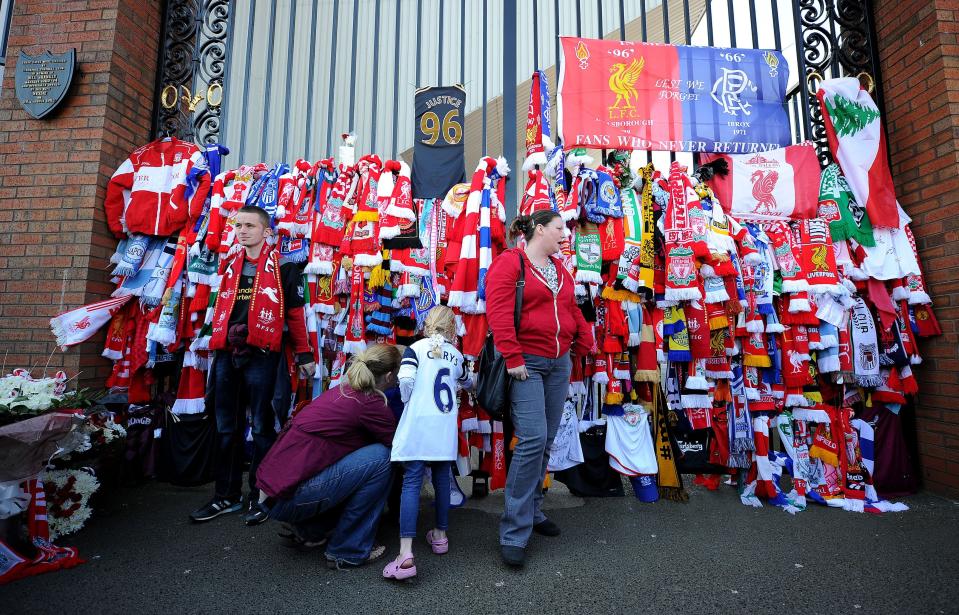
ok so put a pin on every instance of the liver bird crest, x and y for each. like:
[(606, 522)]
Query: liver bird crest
[(763, 185), (623, 82)]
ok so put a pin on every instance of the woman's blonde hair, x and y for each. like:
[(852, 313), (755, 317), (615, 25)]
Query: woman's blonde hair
[(373, 363)]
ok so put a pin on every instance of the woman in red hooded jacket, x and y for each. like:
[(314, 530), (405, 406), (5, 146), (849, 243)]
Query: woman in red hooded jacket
[(538, 359)]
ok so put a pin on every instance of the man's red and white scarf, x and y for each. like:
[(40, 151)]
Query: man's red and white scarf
[(267, 304)]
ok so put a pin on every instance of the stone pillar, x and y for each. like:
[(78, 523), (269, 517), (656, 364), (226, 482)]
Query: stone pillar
[(919, 58), (54, 242)]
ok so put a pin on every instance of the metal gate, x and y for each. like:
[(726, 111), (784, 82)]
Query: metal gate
[(281, 79)]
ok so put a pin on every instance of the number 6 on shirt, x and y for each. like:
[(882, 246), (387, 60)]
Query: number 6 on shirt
[(442, 394)]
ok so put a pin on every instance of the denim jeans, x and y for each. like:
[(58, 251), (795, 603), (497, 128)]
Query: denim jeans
[(236, 388), (356, 486), (410, 500), (537, 407), (283, 391)]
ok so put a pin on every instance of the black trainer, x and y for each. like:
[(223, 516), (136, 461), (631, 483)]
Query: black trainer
[(215, 508), (513, 556), (256, 514), (546, 528)]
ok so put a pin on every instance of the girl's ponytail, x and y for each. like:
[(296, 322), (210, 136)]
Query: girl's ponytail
[(368, 366)]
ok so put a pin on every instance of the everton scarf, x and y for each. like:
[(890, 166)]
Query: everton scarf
[(265, 191), (135, 248), (267, 308), (155, 286)]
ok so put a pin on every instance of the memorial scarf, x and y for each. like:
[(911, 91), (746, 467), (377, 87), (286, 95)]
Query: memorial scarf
[(267, 305)]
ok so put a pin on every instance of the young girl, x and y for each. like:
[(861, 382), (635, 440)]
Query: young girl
[(430, 372)]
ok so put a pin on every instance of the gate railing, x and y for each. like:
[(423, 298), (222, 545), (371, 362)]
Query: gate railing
[(827, 38)]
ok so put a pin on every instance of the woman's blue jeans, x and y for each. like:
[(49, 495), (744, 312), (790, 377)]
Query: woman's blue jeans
[(536, 410), (356, 487)]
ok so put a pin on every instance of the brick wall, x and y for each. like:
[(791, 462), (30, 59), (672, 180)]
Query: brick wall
[(919, 58), (54, 243)]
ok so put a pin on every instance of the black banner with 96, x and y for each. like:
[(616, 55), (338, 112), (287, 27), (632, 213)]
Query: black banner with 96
[(438, 160)]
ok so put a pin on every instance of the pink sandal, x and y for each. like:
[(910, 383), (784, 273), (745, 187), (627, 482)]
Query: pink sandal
[(439, 545), (395, 570)]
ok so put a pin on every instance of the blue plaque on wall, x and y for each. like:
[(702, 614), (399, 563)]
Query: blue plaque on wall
[(42, 81)]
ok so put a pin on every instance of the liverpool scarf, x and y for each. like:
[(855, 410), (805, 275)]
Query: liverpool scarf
[(914, 281), (78, 325), (818, 258), (679, 240), (267, 309)]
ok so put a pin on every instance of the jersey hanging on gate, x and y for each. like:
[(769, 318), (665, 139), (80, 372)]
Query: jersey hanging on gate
[(427, 428), (438, 159)]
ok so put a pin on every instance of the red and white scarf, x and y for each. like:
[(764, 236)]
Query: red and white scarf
[(818, 258), (914, 282), (361, 239), (680, 239), (354, 340), (267, 304), (335, 208), (472, 226)]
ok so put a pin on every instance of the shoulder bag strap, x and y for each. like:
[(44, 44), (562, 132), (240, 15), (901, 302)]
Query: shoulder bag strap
[(520, 284)]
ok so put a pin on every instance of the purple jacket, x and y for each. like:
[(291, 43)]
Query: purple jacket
[(331, 427)]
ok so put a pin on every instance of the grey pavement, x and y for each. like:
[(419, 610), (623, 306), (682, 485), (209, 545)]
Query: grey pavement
[(709, 555)]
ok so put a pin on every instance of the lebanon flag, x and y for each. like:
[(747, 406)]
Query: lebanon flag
[(858, 144), (778, 184)]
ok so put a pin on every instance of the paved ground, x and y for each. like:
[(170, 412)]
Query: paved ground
[(710, 555)]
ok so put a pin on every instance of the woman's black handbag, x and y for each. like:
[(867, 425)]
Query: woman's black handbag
[(493, 382)]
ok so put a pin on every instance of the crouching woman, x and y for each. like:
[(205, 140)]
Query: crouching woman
[(329, 472)]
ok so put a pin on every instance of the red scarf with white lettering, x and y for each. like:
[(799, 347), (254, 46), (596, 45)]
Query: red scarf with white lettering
[(680, 238), (267, 308)]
